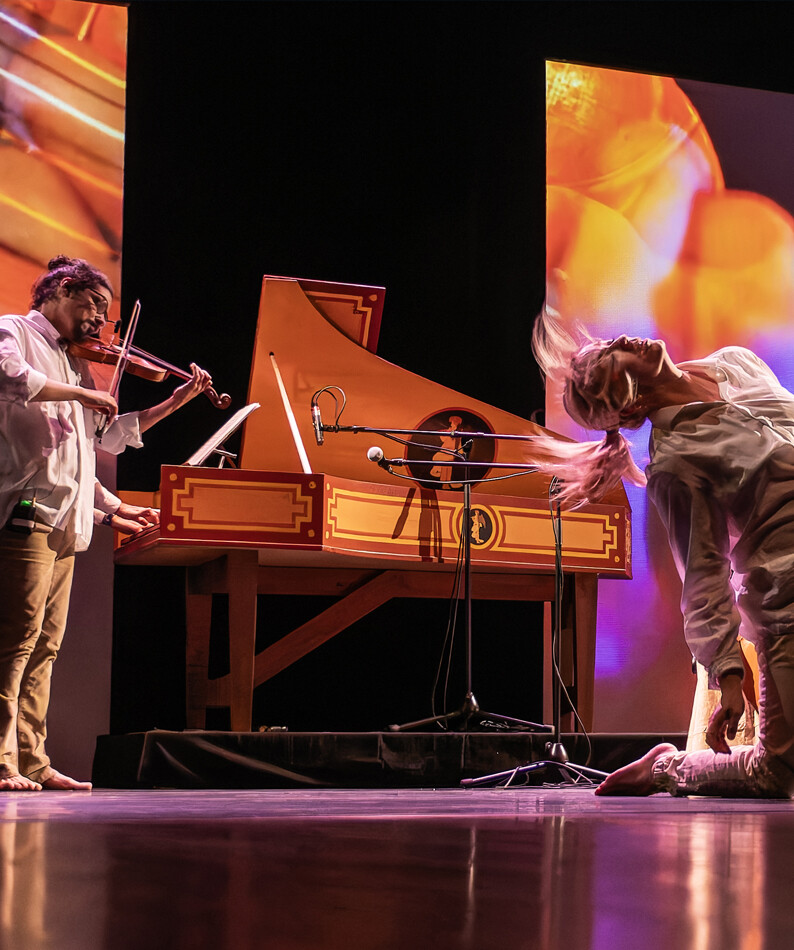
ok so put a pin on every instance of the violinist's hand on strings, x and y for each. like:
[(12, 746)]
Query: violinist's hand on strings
[(198, 383), (132, 519)]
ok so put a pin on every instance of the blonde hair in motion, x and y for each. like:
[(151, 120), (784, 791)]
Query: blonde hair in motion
[(596, 395)]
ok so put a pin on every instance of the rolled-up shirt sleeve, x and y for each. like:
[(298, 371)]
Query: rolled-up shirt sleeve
[(105, 502), (699, 540), (124, 432), (19, 382)]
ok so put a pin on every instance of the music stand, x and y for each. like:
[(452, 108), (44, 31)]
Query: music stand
[(214, 444)]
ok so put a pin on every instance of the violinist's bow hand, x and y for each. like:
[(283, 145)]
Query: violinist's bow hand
[(104, 406), (99, 401)]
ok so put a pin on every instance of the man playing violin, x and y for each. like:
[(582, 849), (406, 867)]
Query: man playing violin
[(50, 497)]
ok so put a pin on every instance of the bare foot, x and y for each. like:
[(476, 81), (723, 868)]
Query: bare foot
[(14, 782), (637, 778), (56, 781)]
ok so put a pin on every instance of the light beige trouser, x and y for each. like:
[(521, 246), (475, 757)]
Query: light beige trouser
[(763, 770), (35, 583), (764, 562)]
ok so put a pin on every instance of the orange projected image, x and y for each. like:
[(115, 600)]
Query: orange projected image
[(663, 220), (62, 98), (643, 232)]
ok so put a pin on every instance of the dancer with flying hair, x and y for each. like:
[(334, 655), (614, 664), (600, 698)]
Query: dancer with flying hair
[(721, 476)]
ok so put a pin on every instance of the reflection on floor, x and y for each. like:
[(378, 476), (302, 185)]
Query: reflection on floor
[(477, 869)]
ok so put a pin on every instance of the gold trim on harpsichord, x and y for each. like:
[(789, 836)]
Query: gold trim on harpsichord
[(328, 304), (627, 535), (426, 525), (246, 506), (219, 504), (402, 522), (586, 534)]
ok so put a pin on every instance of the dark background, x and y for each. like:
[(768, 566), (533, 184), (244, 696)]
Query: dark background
[(399, 144)]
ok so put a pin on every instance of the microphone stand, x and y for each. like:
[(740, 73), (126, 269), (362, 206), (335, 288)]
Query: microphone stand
[(556, 760), (470, 709), (557, 757)]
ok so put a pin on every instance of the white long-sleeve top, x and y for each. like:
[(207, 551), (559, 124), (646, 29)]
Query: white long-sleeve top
[(48, 448), (708, 464)]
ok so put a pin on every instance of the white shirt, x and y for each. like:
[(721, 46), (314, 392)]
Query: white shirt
[(704, 481), (49, 447)]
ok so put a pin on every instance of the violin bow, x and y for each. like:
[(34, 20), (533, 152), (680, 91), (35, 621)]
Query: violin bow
[(121, 363)]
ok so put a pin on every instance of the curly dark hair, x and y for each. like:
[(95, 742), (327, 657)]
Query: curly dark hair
[(80, 273)]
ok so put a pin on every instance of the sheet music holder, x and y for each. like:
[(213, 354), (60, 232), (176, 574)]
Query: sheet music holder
[(214, 445)]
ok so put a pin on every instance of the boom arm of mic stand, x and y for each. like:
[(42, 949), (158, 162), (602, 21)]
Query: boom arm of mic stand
[(505, 436)]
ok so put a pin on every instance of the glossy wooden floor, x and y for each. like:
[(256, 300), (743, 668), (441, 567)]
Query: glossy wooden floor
[(474, 869)]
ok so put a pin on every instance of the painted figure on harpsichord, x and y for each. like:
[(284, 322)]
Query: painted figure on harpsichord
[(449, 444)]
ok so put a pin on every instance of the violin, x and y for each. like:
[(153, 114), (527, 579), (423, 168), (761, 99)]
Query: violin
[(139, 363)]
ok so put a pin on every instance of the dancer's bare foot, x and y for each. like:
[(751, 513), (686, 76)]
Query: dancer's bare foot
[(11, 781), (53, 780), (637, 778)]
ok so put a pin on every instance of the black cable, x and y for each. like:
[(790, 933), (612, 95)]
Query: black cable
[(447, 647), (556, 525)]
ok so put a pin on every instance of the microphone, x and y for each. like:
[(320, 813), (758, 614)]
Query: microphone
[(375, 454), (317, 422)]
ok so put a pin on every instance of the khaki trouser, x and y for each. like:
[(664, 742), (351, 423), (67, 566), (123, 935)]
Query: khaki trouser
[(35, 583)]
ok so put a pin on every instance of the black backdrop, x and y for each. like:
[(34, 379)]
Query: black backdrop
[(384, 143)]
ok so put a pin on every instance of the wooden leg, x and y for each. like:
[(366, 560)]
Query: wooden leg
[(241, 577), (586, 609), (577, 650)]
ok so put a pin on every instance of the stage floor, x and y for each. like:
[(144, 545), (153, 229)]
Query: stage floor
[(399, 869)]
